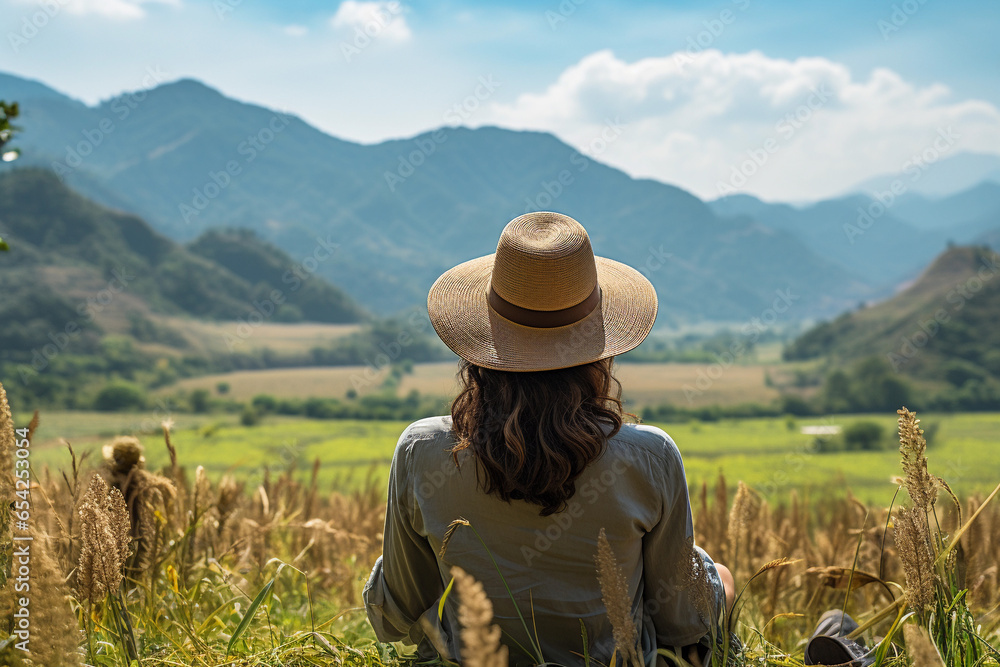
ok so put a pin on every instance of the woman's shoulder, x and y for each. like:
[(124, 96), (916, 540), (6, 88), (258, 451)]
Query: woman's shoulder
[(651, 440), (428, 426), (425, 431)]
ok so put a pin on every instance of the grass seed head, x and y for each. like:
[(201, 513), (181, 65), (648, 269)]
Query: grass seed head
[(614, 590), (104, 540), (914, 548), (480, 640), (912, 447)]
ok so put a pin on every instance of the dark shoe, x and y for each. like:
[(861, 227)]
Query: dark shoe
[(829, 644)]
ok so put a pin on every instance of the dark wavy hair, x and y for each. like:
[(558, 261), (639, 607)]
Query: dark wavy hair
[(533, 433)]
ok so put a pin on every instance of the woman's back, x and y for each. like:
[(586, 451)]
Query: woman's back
[(636, 492), (537, 459)]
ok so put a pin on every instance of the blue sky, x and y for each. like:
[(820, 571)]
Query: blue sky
[(864, 96)]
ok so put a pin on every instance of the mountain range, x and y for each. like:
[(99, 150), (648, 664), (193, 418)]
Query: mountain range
[(396, 214)]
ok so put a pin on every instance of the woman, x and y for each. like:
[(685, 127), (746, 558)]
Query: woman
[(536, 457)]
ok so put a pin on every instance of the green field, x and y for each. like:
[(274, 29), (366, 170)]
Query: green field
[(771, 455)]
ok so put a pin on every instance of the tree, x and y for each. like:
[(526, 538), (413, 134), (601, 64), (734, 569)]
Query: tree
[(120, 396), (199, 400), (862, 435), (7, 131)]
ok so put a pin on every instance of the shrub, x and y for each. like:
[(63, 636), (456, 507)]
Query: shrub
[(862, 435), (249, 417), (199, 400), (120, 396), (265, 403)]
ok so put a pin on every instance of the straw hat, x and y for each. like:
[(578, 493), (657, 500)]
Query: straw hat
[(542, 301)]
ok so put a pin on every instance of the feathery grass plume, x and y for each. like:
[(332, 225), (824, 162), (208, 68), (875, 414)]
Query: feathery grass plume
[(919, 646), (230, 495), (33, 425), (481, 645), (919, 483), (452, 527), (7, 445), (742, 517), (55, 631), (104, 537), (203, 499), (954, 499), (914, 548), (721, 521), (614, 591), (166, 425)]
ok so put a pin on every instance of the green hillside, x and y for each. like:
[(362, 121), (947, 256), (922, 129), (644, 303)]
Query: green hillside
[(939, 331), (91, 296), (70, 244)]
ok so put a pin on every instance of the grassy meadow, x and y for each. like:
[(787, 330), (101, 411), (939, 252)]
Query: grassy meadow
[(250, 544), (218, 564)]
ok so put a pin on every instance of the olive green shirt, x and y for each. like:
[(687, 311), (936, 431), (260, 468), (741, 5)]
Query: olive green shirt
[(636, 491)]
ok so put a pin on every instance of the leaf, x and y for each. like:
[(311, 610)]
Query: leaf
[(264, 594), (3, 245), (212, 616), (445, 597), (325, 644)]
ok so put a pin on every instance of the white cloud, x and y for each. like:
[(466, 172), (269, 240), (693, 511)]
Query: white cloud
[(382, 18), (691, 119), (295, 30), (113, 9)]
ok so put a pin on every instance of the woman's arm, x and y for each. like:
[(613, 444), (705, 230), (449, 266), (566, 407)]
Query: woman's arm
[(405, 581), (682, 588)]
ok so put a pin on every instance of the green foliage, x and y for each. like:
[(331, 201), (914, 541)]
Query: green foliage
[(8, 110), (305, 296), (394, 342), (384, 405), (118, 396), (249, 416), (725, 346), (863, 436), (199, 400), (870, 385)]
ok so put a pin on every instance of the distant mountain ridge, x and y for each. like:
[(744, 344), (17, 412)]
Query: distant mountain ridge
[(184, 147), (884, 240), (943, 176)]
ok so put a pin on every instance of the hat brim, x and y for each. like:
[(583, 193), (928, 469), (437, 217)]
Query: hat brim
[(461, 316)]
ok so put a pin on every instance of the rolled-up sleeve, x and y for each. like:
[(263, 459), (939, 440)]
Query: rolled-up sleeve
[(681, 585), (405, 581)]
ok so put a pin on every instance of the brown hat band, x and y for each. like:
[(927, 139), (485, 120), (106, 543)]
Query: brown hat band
[(544, 319)]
